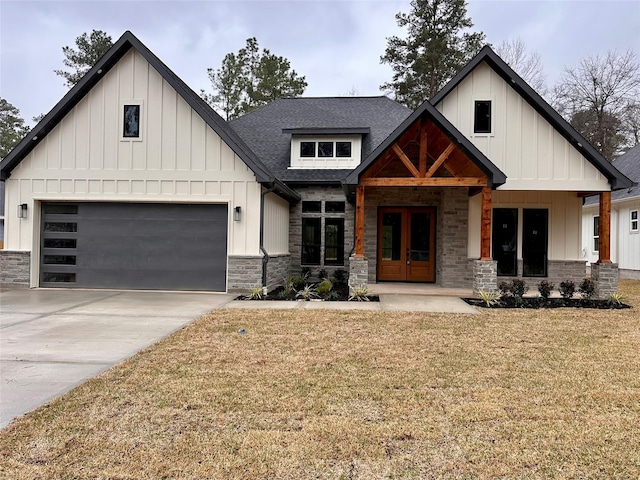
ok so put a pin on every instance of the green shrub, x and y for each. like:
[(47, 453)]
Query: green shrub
[(567, 289), (256, 293), (545, 288), (359, 294), (587, 288), (324, 287), (307, 293), (489, 298)]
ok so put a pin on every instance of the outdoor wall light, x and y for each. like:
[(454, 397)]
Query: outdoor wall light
[(22, 210), (236, 214)]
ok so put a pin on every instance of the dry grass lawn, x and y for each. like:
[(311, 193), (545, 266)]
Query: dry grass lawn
[(317, 394)]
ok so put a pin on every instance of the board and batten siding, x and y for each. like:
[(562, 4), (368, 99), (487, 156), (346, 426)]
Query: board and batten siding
[(625, 244), (276, 225), (565, 210), (179, 158), (531, 153)]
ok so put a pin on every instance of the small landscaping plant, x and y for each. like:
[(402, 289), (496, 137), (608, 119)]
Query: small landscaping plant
[(587, 288), (359, 294), (615, 299), (545, 288), (341, 276), (512, 293), (489, 298), (307, 293), (324, 287), (256, 293), (567, 289)]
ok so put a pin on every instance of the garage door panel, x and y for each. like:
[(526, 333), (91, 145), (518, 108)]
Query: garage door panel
[(137, 246)]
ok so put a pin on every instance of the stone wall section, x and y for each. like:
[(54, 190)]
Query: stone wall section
[(15, 267), (605, 276), (557, 271), (485, 276), (358, 272), (245, 272), (451, 204), (319, 193)]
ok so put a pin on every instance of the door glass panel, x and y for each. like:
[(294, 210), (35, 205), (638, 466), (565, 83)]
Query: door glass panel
[(420, 237), (391, 236), (60, 227), (504, 240), (59, 259), (534, 242)]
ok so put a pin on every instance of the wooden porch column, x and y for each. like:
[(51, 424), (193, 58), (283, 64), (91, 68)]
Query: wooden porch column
[(605, 228), (359, 222), (485, 226)]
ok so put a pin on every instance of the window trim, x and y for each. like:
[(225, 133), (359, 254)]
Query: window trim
[(141, 120), (634, 222), (314, 149)]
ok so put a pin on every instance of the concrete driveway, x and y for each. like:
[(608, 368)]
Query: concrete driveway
[(53, 340)]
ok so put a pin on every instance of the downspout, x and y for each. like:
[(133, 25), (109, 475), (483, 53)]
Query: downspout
[(265, 255)]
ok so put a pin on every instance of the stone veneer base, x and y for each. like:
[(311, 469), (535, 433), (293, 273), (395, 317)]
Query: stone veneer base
[(245, 272), (605, 276), (15, 267)]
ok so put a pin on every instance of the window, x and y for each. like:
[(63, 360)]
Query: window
[(308, 149), (325, 149), (311, 241), (596, 233), (535, 227), (343, 149), (311, 207), (131, 123), (634, 220), (334, 241), (334, 207), (504, 240), (482, 116)]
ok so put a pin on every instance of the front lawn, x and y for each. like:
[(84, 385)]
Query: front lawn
[(306, 394)]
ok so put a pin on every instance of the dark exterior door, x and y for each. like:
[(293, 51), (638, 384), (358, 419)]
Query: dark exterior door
[(535, 225), (134, 246), (406, 244)]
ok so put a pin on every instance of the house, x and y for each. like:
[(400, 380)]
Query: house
[(625, 233), (133, 181)]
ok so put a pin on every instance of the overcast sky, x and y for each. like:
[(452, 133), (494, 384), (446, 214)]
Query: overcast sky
[(335, 44)]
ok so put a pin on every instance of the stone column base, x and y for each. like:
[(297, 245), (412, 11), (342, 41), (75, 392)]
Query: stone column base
[(605, 276), (15, 267), (358, 272), (485, 276)]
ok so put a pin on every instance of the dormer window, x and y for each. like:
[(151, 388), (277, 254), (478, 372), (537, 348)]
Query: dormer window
[(326, 148)]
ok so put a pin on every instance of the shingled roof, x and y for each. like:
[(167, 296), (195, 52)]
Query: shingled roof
[(628, 164), (127, 41), (268, 129)]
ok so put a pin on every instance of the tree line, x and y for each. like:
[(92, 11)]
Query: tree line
[(600, 96)]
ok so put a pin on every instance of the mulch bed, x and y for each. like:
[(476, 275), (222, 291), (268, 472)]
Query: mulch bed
[(339, 293), (537, 302)]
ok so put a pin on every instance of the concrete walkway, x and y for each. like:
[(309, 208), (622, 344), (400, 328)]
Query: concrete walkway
[(53, 340)]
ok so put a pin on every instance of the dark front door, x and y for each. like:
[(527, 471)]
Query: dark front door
[(535, 223), (406, 244)]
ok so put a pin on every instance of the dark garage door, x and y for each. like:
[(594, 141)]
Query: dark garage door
[(134, 246)]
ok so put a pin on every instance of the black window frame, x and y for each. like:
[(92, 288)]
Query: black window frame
[(482, 116), (311, 206), (304, 154), (131, 112), (338, 245), (343, 144), (321, 150), (311, 247)]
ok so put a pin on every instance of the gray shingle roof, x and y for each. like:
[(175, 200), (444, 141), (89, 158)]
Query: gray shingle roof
[(262, 129), (628, 164)]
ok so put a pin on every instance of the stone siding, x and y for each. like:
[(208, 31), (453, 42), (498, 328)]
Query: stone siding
[(244, 273), (319, 193), (485, 275), (451, 204), (15, 267), (605, 276), (358, 272)]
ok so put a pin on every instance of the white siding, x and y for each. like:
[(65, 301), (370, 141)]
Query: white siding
[(625, 244), (178, 159), (531, 153), (564, 220), (276, 225), (334, 162)]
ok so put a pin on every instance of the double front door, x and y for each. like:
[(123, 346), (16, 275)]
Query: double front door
[(406, 244)]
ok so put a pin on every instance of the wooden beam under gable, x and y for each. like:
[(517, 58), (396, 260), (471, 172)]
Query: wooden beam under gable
[(424, 182), (441, 159), (405, 160), (422, 157)]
